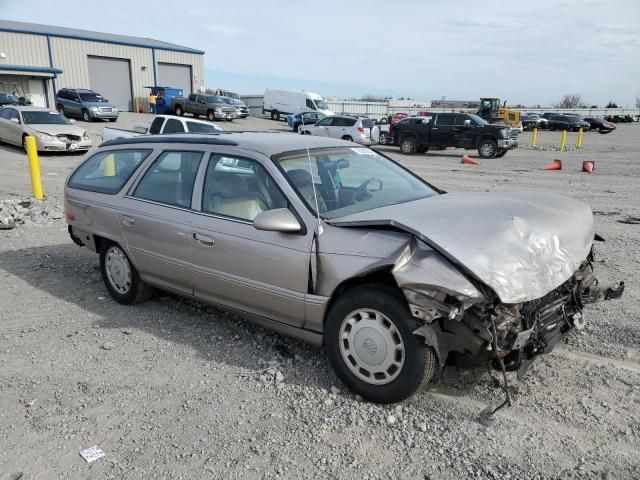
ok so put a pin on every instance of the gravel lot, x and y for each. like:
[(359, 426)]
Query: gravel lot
[(175, 389)]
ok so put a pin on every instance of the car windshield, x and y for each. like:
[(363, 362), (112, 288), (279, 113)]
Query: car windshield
[(350, 180), (92, 97), (478, 120), (235, 96), (215, 99), (321, 104), (44, 118), (8, 98)]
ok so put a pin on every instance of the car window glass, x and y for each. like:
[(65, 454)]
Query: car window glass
[(107, 172), (192, 97), (156, 125), (310, 104), (325, 122), (196, 127), (170, 179), (14, 114), (5, 113), (446, 119), (173, 126), (239, 188), (460, 119)]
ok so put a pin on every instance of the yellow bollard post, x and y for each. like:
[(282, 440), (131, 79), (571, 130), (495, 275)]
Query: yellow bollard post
[(34, 167), (110, 166), (563, 140), (534, 137), (579, 141)]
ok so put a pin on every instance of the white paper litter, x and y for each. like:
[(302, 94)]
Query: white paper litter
[(92, 453)]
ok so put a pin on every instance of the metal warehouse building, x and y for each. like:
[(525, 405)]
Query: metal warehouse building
[(38, 60)]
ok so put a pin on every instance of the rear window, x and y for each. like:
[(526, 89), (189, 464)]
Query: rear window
[(107, 172), (367, 123)]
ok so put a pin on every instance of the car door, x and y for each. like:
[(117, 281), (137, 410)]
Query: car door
[(14, 128), (74, 105), (342, 127), (155, 219), (442, 130), (463, 132), (4, 122), (200, 106), (260, 272), (322, 127)]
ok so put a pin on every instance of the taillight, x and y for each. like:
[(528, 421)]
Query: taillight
[(361, 130), (70, 217)]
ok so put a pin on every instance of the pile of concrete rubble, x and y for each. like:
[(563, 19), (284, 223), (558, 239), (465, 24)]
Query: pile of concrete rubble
[(17, 211)]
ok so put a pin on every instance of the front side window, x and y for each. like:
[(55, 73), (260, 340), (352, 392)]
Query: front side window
[(325, 122), (173, 126), (239, 188), (350, 180), (310, 104), (107, 172), (170, 179)]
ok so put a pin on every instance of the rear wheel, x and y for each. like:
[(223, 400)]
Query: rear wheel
[(487, 149), (347, 138), (178, 111), (275, 115), (120, 276), (371, 345), (408, 145)]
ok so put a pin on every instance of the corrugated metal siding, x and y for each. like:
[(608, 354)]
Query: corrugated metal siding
[(24, 49), (71, 56), (196, 62)]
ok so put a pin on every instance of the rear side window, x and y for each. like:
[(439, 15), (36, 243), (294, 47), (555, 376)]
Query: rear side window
[(170, 179), (343, 122), (156, 126), (446, 119), (367, 122), (107, 172), (173, 126)]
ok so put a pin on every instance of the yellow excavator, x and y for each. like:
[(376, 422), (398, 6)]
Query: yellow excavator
[(492, 112)]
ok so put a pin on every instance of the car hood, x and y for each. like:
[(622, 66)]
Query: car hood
[(522, 245), (57, 129)]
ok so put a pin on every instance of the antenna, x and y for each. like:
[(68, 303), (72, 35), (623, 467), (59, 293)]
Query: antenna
[(313, 183)]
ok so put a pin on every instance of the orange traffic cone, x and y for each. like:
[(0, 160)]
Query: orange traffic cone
[(588, 166), (555, 165), (468, 160)]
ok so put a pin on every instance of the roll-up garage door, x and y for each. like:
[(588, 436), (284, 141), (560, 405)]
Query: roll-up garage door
[(176, 76), (111, 78)]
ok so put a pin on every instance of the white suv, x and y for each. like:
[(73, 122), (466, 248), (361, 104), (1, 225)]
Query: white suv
[(361, 130)]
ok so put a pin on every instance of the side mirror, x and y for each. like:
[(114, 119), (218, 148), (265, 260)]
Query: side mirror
[(467, 124), (277, 220), (15, 120)]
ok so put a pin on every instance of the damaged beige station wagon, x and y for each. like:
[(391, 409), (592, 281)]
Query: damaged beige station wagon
[(339, 246)]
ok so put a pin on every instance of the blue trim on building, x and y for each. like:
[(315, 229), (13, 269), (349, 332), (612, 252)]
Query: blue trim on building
[(53, 80), (24, 68), (105, 40), (155, 72)]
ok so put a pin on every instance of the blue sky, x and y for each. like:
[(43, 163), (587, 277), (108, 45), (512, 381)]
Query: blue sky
[(526, 53)]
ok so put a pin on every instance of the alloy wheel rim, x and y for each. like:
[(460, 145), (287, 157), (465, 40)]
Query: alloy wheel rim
[(118, 270), (371, 346), (487, 149), (406, 146)]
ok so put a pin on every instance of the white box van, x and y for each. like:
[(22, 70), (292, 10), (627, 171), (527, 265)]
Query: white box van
[(281, 103)]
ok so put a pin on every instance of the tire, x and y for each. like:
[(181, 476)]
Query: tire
[(408, 145), (178, 111), (60, 109), (275, 115), (125, 289), (211, 116), (24, 142), (347, 138), (501, 154), (487, 149), (384, 137), (387, 324), (85, 116)]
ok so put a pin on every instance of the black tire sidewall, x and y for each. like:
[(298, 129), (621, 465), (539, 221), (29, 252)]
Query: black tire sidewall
[(415, 145), (211, 116), (131, 296), (391, 304)]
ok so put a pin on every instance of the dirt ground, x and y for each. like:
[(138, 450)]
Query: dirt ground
[(176, 389)]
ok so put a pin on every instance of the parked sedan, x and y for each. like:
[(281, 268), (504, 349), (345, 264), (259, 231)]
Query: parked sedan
[(529, 122), (303, 118), (567, 122), (353, 129), (600, 124), (53, 132), (339, 246), (542, 121)]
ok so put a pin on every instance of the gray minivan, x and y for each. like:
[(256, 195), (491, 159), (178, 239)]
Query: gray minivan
[(85, 104)]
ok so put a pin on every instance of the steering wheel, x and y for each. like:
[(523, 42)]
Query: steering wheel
[(363, 193)]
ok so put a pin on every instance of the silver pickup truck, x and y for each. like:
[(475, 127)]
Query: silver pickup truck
[(163, 124), (213, 107)]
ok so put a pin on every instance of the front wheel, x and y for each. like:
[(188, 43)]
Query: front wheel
[(178, 111), (120, 276), (487, 149), (275, 115), (371, 345), (60, 109), (211, 116), (85, 116)]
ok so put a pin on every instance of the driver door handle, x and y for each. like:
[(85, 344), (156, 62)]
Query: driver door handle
[(205, 240), (127, 220)]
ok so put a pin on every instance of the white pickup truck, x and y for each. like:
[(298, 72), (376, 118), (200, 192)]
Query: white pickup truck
[(163, 124)]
